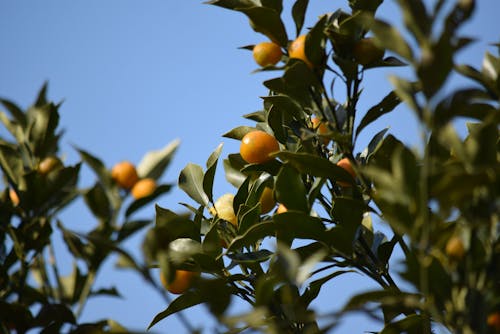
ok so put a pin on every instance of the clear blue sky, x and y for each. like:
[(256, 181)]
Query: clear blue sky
[(135, 75)]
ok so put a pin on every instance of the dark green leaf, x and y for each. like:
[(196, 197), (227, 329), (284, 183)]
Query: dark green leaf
[(389, 38), (208, 178), (388, 103), (290, 189), (251, 257), (98, 202), (239, 132), (184, 301), (298, 13), (268, 22), (131, 227)]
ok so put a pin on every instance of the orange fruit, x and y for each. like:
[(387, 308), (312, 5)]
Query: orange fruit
[(281, 209), (267, 53), (455, 248), (143, 188), (49, 164), (224, 208), (181, 283), (320, 128), (297, 50), (13, 197), (345, 163), (124, 174), (493, 321), (366, 52), (257, 145), (267, 201)]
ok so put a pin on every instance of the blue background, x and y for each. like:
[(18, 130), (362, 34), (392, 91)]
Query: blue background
[(135, 75)]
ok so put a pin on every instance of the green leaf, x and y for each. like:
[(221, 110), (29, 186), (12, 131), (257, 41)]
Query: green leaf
[(129, 228), (389, 38), (268, 22), (365, 5), (191, 181), (232, 166), (154, 163), (98, 202), (298, 225), (314, 165), (141, 202), (298, 13), (261, 255), (183, 249), (171, 226), (276, 5), (42, 124), (184, 301), (239, 132), (15, 112), (388, 103), (233, 4), (208, 178), (414, 323), (290, 189), (12, 164)]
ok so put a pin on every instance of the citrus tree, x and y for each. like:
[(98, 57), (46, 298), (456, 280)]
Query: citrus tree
[(304, 204), (37, 291)]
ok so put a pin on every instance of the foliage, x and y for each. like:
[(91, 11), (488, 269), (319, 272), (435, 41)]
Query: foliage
[(36, 290), (439, 201), (446, 188)]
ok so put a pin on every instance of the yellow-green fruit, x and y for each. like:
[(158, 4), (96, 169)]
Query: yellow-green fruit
[(267, 53), (267, 201), (366, 52), (455, 248), (224, 208), (49, 164), (13, 197)]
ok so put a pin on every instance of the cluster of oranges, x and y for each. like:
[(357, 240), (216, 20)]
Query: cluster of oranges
[(125, 175)]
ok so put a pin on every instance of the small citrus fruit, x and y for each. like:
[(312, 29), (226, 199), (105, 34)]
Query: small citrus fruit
[(297, 50), (345, 163), (321, 128), (267, 201), (224, 208), (124, 174), (366, 52), (455, 248), (181, 283), (281, 209), (143, 188), (267, 53), (13, 197), (257, 145), (493, 321), (49, 164)]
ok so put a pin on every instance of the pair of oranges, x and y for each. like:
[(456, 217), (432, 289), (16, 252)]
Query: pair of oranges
[(270, 53), (125, 175), (365, 52)]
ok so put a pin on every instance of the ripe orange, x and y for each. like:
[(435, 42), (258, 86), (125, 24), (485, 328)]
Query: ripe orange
[(366, 52), (267, 201), (281, 209), (143, 188), (49, 164), (124, 174), (297, 50), (13, 197), (321, 128), (493, 321), (455, 248), (224, 208), (181, 283), (346, 164), (257, 145), (267, 53)]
